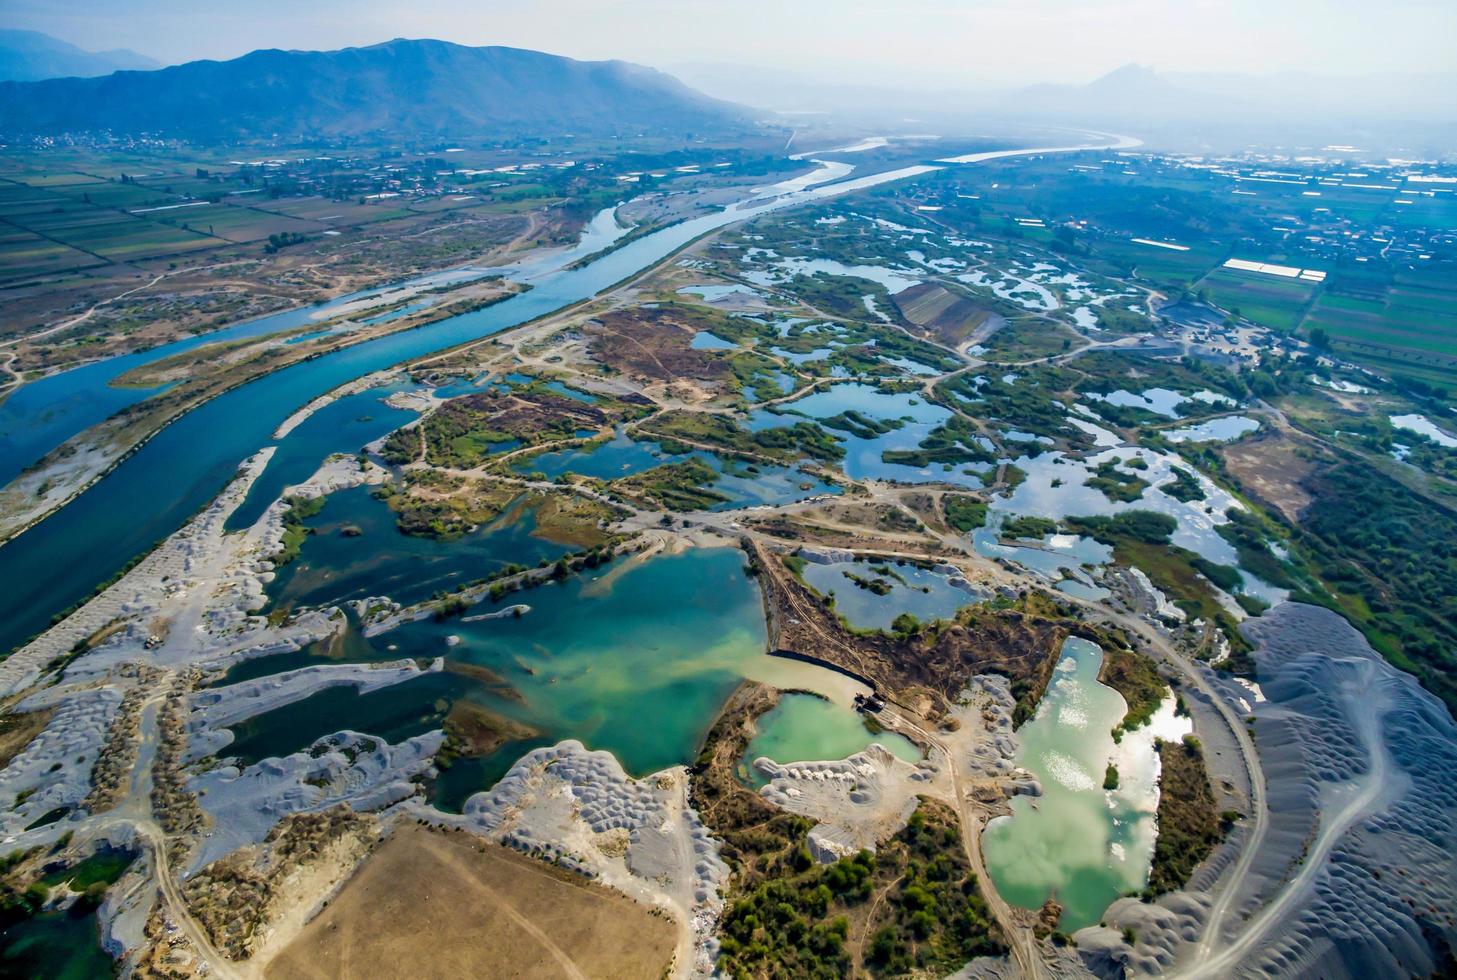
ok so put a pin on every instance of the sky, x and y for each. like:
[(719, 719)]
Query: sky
[(911, 44)]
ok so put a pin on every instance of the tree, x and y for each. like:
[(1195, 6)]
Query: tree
[(905, 624)]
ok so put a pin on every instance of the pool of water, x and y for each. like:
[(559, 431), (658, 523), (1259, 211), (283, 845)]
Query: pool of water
[(1055, 487), (620, 456), (56, 946), (1226, 429), (864, 457), (1054, 555), (634, 658), (894, 280), (1425, 426), (925, 594), (333, 567), (1077, 843), (806, 728), (706, 340), (769, 384), (1160, 401), (745, 485), (715, 294)]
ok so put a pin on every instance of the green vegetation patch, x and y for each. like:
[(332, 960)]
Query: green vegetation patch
[(915, 902), (964, 513), (1029, 527), (1392, 558), (676, 486), (300, 509), (682, 431), (1135, 677), (1188, 827), (1112, 480)]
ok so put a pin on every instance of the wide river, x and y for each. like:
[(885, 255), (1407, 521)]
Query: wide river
[(149, 495)]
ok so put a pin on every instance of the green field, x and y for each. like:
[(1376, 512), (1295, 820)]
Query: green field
[(1162, 266), (24, 254), (236, 224), (1410, 328), (1267, 300)]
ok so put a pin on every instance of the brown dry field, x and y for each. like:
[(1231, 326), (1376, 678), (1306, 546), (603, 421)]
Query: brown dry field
[(1268, 467), (433, 904)]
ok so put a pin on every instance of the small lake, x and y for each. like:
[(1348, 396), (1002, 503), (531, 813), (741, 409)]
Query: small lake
[(620, 456), (1226, 429), (1077, 843), (864, 456), (1052, 556), (806, 728), (1160, 401), (57, 946), (717, 294), (705, 340), (894, 280), (1423, 425), (925, 594), (333, 567), (634, 657), (744, 484)]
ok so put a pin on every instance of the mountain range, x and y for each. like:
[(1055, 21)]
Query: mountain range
[(28, 56), (1195, 111), (400, 89)]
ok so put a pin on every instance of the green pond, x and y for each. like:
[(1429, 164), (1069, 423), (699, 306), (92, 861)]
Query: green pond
[(56, 945), (635, 657), (1077, 843), (807, 728)]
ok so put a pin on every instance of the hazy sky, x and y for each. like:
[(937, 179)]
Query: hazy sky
[(911, 43)]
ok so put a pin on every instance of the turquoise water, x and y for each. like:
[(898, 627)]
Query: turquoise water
[(923, 593), (151, 493), (1076, 843), (351, 422), (634, 658), (333, 567), (806, 728)]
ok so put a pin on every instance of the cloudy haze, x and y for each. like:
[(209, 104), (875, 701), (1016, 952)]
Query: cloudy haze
[(912, 44)]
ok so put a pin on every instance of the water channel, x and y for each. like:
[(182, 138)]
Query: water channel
[(59, 561)]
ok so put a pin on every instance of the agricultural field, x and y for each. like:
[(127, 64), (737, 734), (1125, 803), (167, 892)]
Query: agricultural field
[(1270, 301)]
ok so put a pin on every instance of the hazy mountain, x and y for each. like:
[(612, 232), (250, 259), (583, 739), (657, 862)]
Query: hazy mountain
[(402, 88), (27, 56), (1173, 110)]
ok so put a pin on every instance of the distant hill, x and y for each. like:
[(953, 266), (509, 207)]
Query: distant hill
[(28, 56), (402, 88)]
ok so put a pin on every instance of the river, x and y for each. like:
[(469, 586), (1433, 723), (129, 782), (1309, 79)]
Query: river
[(149, 495)]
